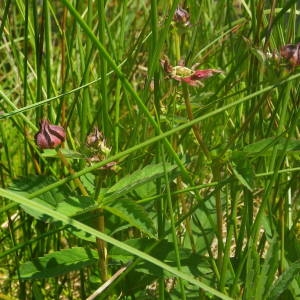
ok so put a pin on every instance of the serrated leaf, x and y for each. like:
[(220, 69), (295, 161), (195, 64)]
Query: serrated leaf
[(36, 214), (284, 280), (165, 267), (81, 234), (30, 184), (133, 213), (88, 180), (27, 185), (74, 205), (58, 263), (57, 198), (137, 178)]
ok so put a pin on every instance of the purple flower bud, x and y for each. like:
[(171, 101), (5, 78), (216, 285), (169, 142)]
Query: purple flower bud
[(49, 135), (181, 16), (292, 53), (94, 137)]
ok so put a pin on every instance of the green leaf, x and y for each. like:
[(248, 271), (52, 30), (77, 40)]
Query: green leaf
[(57, 198), (265, 146), (142, 244), (27, 185), (260, 55), (137, 178), (268, 270), (242, 169), (164, 251), (30, 184), (146, 190), (88, 180), (37, 291), (75, 205), (284, 280), (133, 213), (66, 153), (81, 234), (63, 218), (58, 263), (252, 270), (202, 226)]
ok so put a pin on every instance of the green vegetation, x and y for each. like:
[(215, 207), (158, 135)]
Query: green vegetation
[(169, 165)]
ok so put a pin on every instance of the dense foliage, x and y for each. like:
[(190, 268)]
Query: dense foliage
[(149, 149)]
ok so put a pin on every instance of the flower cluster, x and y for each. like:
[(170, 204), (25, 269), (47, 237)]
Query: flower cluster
[(98, 149), (96, 141)]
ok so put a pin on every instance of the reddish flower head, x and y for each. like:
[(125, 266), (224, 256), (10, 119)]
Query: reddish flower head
[(292, 53), (189, 76), (181, 16)]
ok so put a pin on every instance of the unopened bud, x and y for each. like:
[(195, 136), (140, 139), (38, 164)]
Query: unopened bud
[(292, 53), (94, 137), (182, 17), (49, 135)]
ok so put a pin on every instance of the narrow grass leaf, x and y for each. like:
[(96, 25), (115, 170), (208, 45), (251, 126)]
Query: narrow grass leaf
[(268, 270), (242, 169), (252, 271), (66, 153)]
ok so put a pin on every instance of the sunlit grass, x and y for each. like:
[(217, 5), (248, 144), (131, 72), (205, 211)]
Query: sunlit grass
[(196, 178)]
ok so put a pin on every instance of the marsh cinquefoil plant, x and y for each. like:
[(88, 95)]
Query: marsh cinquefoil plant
[(145, 182)]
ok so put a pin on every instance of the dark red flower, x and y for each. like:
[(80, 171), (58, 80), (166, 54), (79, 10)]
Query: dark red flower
[(195, 78), (181, 16), (292, 53), (189, 76), (49, 136)]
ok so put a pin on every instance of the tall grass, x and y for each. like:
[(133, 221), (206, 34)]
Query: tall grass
[(187, 192)]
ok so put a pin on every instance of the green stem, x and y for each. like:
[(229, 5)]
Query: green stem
[(216, 169), (195, 128), (104, 120), (173, 226)]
